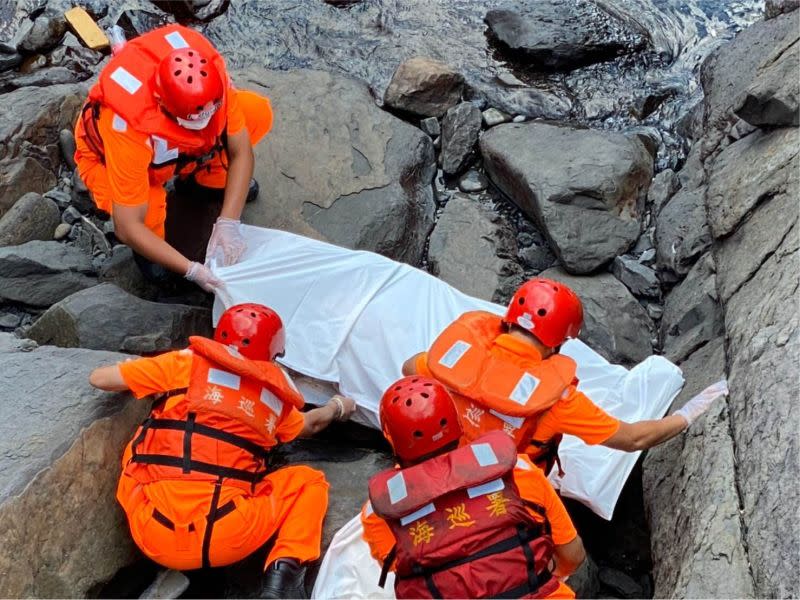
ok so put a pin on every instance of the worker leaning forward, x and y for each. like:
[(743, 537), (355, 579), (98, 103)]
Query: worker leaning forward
[(196, 484), (506, 373), (164, 105), (479, 521)]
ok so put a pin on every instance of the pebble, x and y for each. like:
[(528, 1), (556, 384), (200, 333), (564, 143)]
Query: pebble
[(524, 239), (492, 117), (437, 143), (10, 321), (473, 181), (71, 215), (519, 119), (108, 227), (62, 231), (61, 198), (430, 126), (510, 80), (648, 257), (655, 311)]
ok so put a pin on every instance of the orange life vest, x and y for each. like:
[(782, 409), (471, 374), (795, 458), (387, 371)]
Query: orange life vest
[(494, 388), (127, 87), (461, 528), (224, 427)]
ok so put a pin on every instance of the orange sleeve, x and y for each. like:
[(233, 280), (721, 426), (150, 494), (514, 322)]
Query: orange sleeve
[(377, 534), (162, 373), (534, 487), (127, 160), (421, 365), (236, 120), (290, 426), (577, 415)]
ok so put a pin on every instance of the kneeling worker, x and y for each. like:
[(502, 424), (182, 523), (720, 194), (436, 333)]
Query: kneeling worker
[(196, 484), (479, 521)]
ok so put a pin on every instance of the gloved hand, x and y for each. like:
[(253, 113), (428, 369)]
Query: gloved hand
[(203, 277), (695, 407), (226, 244)]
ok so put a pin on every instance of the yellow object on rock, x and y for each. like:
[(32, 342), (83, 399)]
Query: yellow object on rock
[(86, 29)]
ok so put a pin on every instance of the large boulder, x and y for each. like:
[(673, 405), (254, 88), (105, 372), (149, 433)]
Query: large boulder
[(472, 249), (42, 273), (19, 176), (682, 233), (586, 188), (615, 324), (108, 318), (424, 87), (60, 446), (335, 167), (32, 217)]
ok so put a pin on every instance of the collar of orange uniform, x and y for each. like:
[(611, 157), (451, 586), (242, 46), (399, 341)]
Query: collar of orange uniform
[(508, 342)]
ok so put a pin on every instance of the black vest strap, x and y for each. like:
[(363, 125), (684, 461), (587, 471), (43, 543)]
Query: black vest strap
[(387, 564), (211, 518)]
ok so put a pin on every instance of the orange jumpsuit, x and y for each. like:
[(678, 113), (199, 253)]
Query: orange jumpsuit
[(532, 486), (126, 177), (167, 518)]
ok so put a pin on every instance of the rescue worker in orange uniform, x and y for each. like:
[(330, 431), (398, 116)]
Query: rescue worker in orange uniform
[(164, 105), (196, 484), (506, 373), (479, 521)]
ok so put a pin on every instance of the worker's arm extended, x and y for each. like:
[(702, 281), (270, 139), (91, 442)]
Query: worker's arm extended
[(129, 227), (240, 170), (410, 366), (568, 557), (338, 408), (108, 379)]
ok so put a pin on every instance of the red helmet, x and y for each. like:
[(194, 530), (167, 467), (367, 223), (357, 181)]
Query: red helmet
[(418, 417), (253, 329), (189, 85), (548, 309)]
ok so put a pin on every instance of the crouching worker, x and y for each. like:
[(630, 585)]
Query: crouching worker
[(196, 486), (478, 521)]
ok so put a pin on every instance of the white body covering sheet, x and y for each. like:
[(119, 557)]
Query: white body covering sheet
[(353, 317)]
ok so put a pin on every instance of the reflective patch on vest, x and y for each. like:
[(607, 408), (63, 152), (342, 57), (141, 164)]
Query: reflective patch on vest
[(487, 488), (223, 378), (175, 39), (484, 454), (234, 351), (118, 123), (515, 422), (368, 510), (454, 354), (125, 80), (418, 514), (272, 401), (521, 464), (524, 389), (289, 380), (397, 488), (162, 152)]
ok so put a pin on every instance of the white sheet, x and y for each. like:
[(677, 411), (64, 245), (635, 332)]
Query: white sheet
[(352, 318)]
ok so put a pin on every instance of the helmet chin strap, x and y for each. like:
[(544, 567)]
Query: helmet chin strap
[(194, 125)]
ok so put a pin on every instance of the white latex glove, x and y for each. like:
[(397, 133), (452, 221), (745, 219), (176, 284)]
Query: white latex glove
[(695, 407), (226, 244), (203, 277)]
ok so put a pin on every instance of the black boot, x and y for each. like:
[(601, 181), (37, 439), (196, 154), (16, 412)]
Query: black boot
[(284, 578), (252, 191)]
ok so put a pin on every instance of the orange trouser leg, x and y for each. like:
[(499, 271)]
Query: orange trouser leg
[(258, 121)]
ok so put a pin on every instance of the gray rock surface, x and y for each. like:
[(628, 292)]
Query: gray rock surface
[(108, 318), (60, 447), (472, 250), (638, 278), (121, 270), (32, 217), (664, 186), (585, 188), (460, 128), (492, 117), (46, 33), (473, 181), (692, 313), (430, 125), (774, 8), (19, 176), (425, 87), (340, 169), (682, 233), (42, 273), (615, 324)]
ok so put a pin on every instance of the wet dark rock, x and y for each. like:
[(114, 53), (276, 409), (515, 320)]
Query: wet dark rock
[(460, 128), (40, 78), (121, 270), (424, 87), (472, 249), (620, 584), (690, 125), (200, 10), (682, 233), (473, 181), (339, 168), (71, 215), (108, 318), (31, 218), (639, 279), (773, 99), (537, 256), (9, 61), (54, 469), (66, 141), (615, 324), (80, 194), (136, 21), (549, 34), (585, 187), (775, 8), (585, 582), (430, 125), (664, 186), (492, 117), (46, 33), (42, 273), (19, 176)]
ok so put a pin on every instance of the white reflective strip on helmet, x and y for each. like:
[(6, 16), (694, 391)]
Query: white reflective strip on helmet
[(272, 401), (224, 378), (162, 152), (454, 354), (487, 488), (397, 488), (515, 422), (175, 39), (118, 123), (125, 80), (418, 514), (484, 454), (524, 389), (521, 464)]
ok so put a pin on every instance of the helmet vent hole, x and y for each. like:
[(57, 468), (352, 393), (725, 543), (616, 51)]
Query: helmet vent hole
[(178, 72), (203, 61), (424, 394), (191, 66), (225, 335), (395, 399), (417, 434), (238, 310), (429, 384), (397, 388), (408, 402), (246, 342), (541, 312), (189, 80), (415, 380), (191, 53), (522, 300), (178, 59), (443, 422), (203, 73), (253, 315)]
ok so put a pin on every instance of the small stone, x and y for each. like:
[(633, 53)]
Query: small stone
[(75, 231), (430, 126), (648, 257), (62, 231), (61, 198), (645, 241), (71, 215), (473, 181), (460, 129), (509, 80), (108, 228), (169, 583), (492, 117), (437, 143), (424, 87), (66, 141), (537, 257), (639, 279), (519, 119), (655, 311), (524, 239), (10, 321)]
